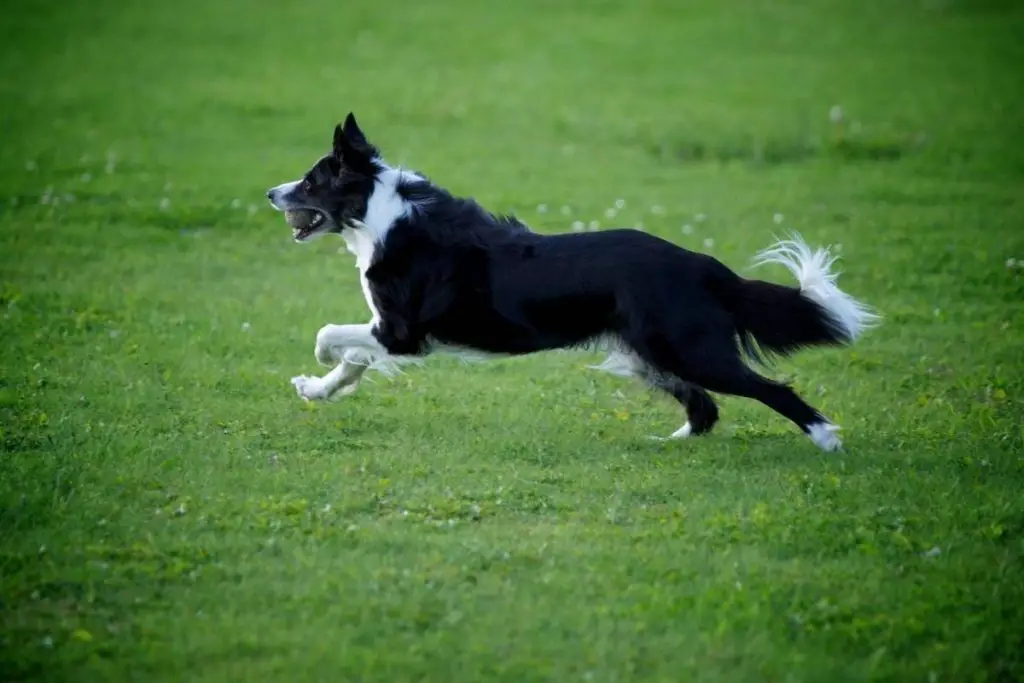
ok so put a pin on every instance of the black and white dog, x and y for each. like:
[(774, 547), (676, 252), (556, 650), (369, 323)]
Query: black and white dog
[(440, 273)]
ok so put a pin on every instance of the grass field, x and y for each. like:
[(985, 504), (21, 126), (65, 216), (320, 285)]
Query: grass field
[(170, 511)]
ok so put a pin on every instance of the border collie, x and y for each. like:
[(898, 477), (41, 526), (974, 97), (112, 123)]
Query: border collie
[(441, 273)]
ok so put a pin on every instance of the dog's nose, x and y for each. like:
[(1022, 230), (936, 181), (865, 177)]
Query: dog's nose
[(270, 193)]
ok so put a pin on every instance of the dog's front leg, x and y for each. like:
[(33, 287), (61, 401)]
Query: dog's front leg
[(353, 348), (344, 378), (332, 341)]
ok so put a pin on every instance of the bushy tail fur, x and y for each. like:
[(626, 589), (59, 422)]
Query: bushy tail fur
[(780, 320)]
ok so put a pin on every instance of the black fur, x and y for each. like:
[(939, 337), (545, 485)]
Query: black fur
[(701, 411), (452, 273), (775, 320)]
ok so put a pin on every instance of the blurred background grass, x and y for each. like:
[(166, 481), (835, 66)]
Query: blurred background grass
[(169, 509)]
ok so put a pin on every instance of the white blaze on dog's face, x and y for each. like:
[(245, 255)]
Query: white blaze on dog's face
[(335, 190)]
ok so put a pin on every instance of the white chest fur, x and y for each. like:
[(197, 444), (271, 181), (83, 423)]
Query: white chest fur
[(384, 207), (361, 244)]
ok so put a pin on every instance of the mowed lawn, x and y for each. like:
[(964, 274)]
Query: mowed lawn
[(171, 511)]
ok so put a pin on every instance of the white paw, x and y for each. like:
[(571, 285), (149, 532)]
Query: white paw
[(309, 388), (823, 434), (681, 433)]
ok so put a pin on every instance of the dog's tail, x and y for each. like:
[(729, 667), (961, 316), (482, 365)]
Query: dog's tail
[(780, 320)]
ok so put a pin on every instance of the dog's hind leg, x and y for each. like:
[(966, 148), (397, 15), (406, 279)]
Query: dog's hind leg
[(701, 411), (713, 362), (780, 398)]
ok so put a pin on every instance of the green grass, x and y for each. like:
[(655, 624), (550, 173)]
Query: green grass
[(170, 510)]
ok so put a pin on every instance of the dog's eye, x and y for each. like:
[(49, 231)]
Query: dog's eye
[(307, 185)]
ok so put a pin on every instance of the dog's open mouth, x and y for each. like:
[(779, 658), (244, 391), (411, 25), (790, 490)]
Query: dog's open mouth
[(305, 223)]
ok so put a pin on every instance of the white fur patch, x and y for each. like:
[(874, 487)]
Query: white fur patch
[(356, 345), (621, 361), (311, 388), (343, 379), (823, 434), (383, 208), (683, 432), (385, 205), (813, 270)]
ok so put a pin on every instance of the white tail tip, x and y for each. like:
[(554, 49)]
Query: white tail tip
[(813, 270)]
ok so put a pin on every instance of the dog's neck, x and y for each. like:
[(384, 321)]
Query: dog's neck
[(384, 208)]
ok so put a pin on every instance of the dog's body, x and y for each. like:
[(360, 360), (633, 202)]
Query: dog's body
[(440, 273)]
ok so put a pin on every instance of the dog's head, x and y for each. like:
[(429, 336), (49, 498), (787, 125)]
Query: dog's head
[(338, 186)]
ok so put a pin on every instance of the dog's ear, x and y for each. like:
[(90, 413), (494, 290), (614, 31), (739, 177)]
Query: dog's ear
[(351, 147), (341, 143), (352, 131)]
